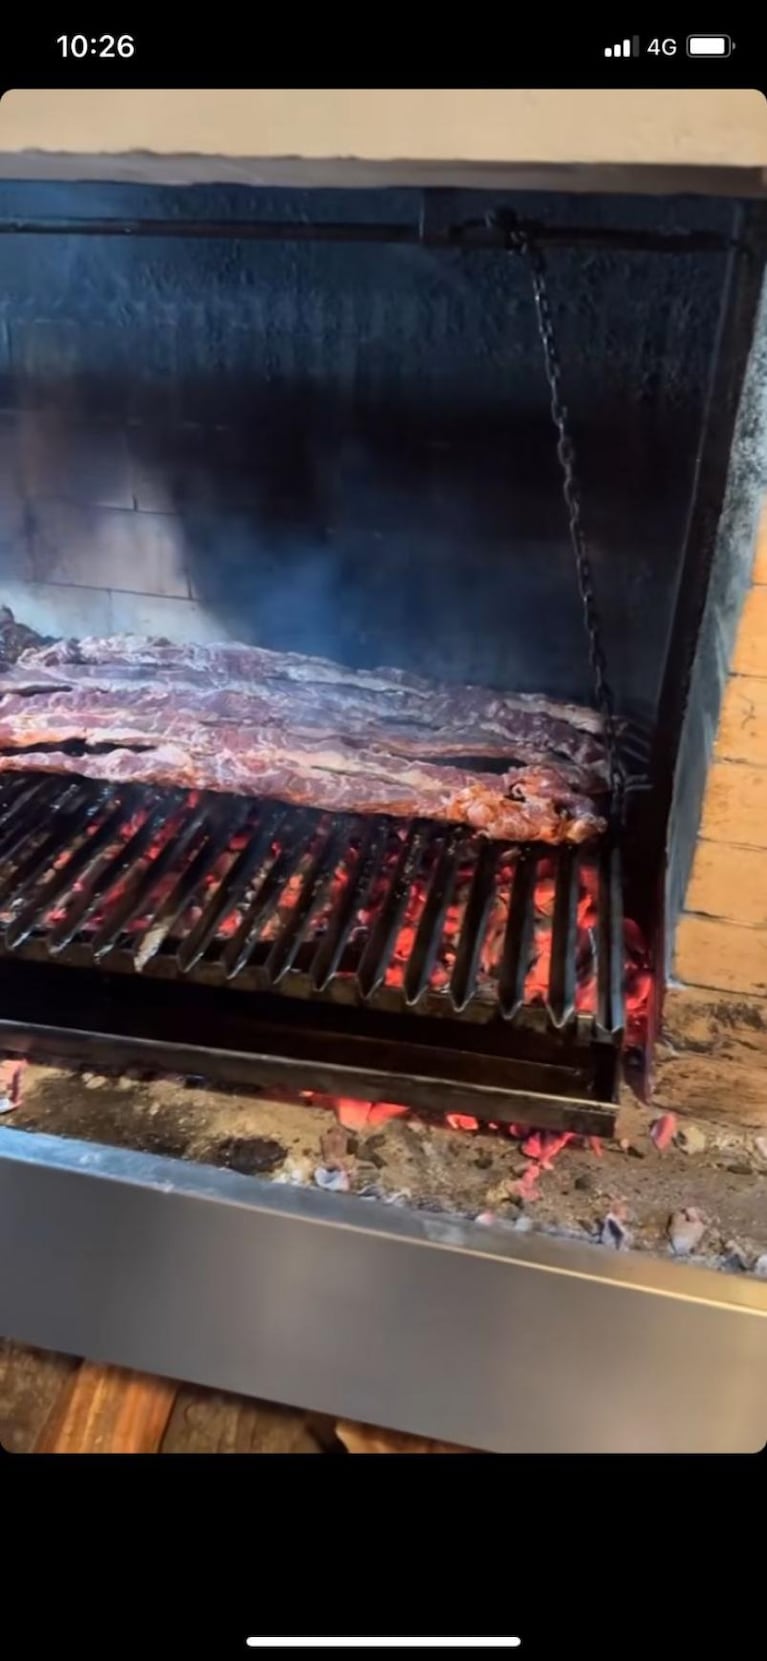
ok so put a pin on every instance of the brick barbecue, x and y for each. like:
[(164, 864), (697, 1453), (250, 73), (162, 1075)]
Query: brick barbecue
[(316, 425)]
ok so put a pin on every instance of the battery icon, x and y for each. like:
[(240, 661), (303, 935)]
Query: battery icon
[(709, 46)]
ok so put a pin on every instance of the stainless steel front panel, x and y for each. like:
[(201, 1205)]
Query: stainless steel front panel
[(447, 1329)]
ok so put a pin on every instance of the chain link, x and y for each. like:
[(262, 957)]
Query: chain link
[(520, 242)]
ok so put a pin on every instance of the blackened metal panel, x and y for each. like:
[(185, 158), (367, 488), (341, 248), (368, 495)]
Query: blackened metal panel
[(356, 439)]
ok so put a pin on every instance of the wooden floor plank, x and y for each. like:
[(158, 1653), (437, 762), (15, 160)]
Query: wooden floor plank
[(108, 1410), (31, 1382), (56, 1404), (208, 1421)]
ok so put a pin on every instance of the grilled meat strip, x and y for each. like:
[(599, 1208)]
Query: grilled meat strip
[(405, 714), (305, 731), (82, 715), (229, 662), (526, 804)]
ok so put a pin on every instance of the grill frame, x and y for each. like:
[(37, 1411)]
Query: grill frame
[(278, 1020)]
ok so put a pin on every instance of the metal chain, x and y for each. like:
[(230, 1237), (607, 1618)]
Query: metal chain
[(521, 243)]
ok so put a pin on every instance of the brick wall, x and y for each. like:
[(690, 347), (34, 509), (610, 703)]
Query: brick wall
[(722, 935), (91, 537)]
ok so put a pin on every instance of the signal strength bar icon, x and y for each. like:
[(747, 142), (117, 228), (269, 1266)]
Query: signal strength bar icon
[(624, 48)]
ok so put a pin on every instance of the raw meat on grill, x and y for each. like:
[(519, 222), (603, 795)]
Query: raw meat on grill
[(305, 731), (230, 662), (409, 716), (524, 735), (96, 716), (523, 805)]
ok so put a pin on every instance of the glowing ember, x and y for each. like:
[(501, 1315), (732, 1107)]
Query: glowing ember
[(356, 1115), (544, 1146), (11, 1080), (540, 1147), (663, 1130)]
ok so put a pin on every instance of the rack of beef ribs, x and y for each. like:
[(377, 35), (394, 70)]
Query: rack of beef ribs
[(307, 732)]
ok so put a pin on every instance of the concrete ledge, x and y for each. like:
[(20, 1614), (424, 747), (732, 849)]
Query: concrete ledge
[(520, 138)]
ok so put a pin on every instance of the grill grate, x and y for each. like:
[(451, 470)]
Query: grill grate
[(389, 914), (389, 960)]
